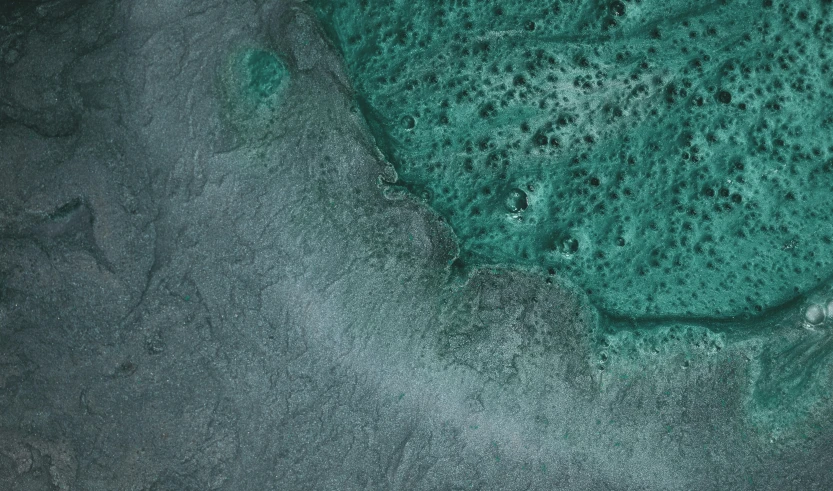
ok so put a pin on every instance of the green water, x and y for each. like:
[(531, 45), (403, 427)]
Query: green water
[(265, 74), (673, 159), (254, 82)]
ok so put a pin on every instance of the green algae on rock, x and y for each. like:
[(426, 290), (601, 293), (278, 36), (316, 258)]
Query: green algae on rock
[(672, 159)]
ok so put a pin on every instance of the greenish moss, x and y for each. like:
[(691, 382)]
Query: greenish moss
[(673, 159)]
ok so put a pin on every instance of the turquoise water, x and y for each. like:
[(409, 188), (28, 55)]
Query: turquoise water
[(672, 159)]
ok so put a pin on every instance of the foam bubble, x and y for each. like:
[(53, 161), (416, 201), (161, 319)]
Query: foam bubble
[(814, 314), (408, 122), (516, 201)]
